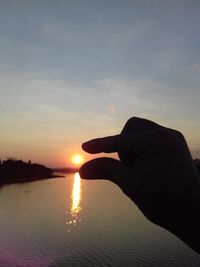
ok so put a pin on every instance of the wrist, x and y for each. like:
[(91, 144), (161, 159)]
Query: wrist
[(184, 221)]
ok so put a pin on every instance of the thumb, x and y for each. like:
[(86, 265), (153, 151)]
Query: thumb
[(105, 168)]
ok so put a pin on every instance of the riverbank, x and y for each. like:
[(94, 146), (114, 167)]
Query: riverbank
[(18, 171)]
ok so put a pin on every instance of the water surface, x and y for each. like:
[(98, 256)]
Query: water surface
[(72, 222)]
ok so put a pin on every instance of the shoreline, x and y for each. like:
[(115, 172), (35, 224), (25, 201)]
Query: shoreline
[(23, 181)]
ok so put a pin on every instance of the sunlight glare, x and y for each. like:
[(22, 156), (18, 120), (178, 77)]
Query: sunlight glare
[(77, 159)]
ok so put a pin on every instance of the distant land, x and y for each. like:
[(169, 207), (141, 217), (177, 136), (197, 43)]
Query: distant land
[(66, 170), (18, 171)]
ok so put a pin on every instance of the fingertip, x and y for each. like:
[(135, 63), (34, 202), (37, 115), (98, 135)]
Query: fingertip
[(89, 146), (93, 169), (84, 146), (108, 144), (102, 168), (83, 171)]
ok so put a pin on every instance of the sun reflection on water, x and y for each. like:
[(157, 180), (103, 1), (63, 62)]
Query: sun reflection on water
[(76, 201), (76, 194)]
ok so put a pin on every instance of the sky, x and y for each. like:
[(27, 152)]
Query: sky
[(75, 70)]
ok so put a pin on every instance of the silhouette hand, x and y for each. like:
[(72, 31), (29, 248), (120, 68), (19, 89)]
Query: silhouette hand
[(155, 170)]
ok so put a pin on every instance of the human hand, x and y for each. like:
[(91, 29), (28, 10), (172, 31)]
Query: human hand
[(155, 170)]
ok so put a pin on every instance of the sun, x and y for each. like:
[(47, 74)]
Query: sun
[(77, 159)]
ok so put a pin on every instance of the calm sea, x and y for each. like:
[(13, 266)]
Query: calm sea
[(73, 222)]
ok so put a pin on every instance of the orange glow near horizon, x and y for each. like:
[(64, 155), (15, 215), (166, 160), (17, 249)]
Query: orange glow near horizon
[(77, 159)]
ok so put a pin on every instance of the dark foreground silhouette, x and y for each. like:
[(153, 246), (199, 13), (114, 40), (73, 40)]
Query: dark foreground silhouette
[(18, 171), (156, 171)]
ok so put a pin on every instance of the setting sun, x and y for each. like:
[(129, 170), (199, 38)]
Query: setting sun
[(77, 159)]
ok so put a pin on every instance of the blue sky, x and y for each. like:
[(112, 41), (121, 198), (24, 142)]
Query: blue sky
[(74, 70)]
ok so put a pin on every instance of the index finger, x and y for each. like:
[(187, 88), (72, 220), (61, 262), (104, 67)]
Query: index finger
[(107, 144), (126, 144)]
